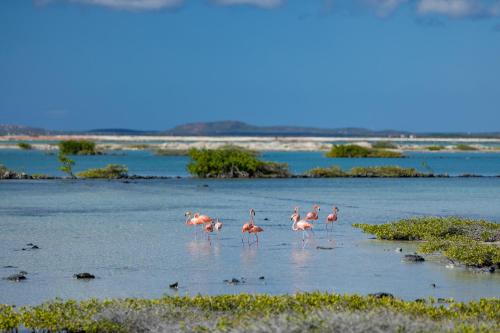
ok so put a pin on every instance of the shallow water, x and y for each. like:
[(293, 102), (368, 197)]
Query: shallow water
[(132, 236), (145, 163)]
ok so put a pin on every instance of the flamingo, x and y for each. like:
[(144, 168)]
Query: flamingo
[(247, 226), (300, 225), (255, 230), (313, 216), (209, 228), (192, 221), (218, 227), (332, 217)]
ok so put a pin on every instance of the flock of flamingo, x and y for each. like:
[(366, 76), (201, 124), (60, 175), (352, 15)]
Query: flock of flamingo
[(305, 225)]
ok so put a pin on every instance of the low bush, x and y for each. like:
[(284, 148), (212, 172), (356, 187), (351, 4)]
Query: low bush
[(384, 145), (111, 171), (77, 147), (470, 242), (435, 148), (465, 147), (231, 162), (24, 146), (369, 172), (319, 312), (355, 151)]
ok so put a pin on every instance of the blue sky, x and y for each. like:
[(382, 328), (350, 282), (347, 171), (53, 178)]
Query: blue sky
[(420, 65)]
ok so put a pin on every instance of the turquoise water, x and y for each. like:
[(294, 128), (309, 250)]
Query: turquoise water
[(132, 236), (145, 163)]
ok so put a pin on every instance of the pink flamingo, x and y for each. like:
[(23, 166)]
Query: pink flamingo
[(248, 226), (218, 227), (332, 217), (313, 216), (192, 221), (209, 228), (255, 230), (300, 225)]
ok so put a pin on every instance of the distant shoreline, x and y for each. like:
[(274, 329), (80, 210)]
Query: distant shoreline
[(258, 143)]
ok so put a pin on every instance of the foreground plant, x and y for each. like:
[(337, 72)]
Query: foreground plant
[(317, 312), (470, 242)]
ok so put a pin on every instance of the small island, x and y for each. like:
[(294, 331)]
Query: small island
[(473, 243)]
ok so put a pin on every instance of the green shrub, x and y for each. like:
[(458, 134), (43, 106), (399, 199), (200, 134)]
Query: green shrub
[(231, 162), (352, 151), (171, 152), (77, 147), (24, 145), (435, 148), (464, 147), (67, 164), (384, 145), (329, 172), (469, 242), (384, 172), (111, 171), (253, 313)]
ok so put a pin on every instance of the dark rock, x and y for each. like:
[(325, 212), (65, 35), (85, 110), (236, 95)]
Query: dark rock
[(174, 285), (413, 258), (261, 278), (492, 269), (30, 244), (35, 247), (324, 248), (433, 285), (266, 219), (205, 185), (381, 295), (420, 300), (83, 276), (9, 266), (16, 277), (23, 273), (398, 249), (232, 281)]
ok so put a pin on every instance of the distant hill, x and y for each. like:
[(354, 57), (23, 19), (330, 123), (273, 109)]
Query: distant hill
[(235, 128), (238, 128), (22, 130)]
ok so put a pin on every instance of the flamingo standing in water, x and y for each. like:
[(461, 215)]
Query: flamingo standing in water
[(300, 225), (332, 217), (313, 216), (255, 230), (192, 221), (247, 226), (218, 227), (209, 228)]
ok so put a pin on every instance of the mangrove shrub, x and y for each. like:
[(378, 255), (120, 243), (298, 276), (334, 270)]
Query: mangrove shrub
[(232, 162), (356, 151), (77, 147), (111, 171)]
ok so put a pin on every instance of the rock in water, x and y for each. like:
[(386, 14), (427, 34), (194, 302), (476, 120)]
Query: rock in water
[(84, 276), (174, 285), (17, 277), (413, 258)]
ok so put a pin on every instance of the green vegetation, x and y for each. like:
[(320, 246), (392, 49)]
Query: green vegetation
[(111, 171), (369, 172), (77, 147), (384, 145), (464, 147), (67, 164), (24, 145), (470, 242), (351, 151), (233, 162), (171, 152), (317, 312), (435, 148)]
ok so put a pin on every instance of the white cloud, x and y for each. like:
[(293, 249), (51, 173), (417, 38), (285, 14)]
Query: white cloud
[(459, 8), (385, 7), (258, 3), (133, 4)]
